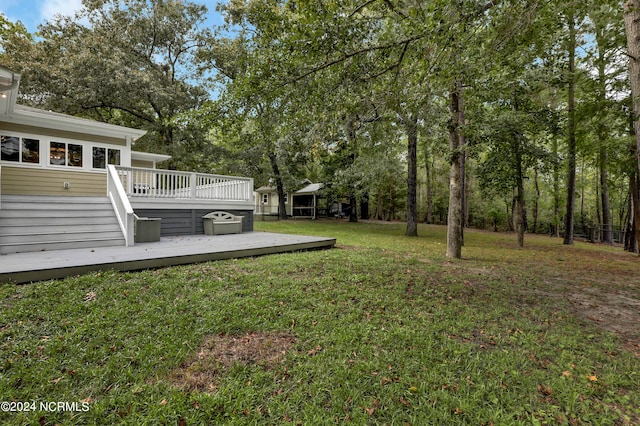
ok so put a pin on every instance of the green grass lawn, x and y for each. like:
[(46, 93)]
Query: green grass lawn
[(381, 330)]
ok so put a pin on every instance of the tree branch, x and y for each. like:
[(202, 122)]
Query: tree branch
[(394, 10), (404, 51), (395, 65), (362, 6), (134, 113), (346, 56)]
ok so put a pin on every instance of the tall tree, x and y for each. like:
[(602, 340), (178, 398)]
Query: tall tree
[(497, 39), (122, 61), (606, 59), (411, 126), (454, 218), (632, 27), (571, 131), (510, 129)]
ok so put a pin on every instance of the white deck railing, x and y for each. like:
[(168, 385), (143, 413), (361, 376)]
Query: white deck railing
[(155, 183), (121, 205)]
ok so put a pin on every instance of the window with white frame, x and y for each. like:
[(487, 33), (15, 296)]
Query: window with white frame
[(37, 150), (19, 150), (74, 155), (104, 156), (113, 156), (265, 198), (286, 198), (65, 154)]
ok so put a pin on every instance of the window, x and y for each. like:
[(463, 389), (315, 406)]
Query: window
[(114, 156), (286, 198), (30, 150), (26, 150), (10, 148), (265, 198), (62, 154), (75, 155), (99, 155), (104, 156), (57, 153)]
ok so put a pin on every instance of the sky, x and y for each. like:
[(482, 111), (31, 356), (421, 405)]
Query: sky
[(35, 12)]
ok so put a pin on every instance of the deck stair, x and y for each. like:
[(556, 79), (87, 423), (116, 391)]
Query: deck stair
[(43, 223)]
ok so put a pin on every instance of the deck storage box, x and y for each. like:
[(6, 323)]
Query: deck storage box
[(218, 223), (147, 229)]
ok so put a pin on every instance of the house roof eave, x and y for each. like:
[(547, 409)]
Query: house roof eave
[(9, 84), (265, 189), (28, 116), (310, 189), (149, 156)]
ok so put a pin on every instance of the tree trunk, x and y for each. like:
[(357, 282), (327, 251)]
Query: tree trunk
[(582, 185), (634, 241), (428, 166), (353, 199), (364, 206), (607, 225), (598, 224), (167, 134), (353, 208), (536, 201), (512, 219), (521, 219), (621, 219), (571, 137), (411, 126), (521, 226), (463, 160), (517, 148), (556, 189), (282, 209), (632, 27), (627, 220), (392, 204), (454, 218)]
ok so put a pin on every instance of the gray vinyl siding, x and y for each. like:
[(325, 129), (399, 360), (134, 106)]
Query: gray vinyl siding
[(189, 221)]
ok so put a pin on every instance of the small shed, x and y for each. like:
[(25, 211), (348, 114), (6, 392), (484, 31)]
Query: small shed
[(305, 202)]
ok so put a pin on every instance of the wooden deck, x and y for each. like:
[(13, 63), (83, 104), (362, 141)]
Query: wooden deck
[(44, 265)]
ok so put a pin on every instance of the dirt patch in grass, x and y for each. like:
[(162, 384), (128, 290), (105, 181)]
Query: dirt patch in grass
[(614, 311), (220, 352), (601, 287)]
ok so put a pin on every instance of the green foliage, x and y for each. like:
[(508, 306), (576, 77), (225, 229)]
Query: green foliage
[(509, 142), (13, 35), (140, 77), (326, 90)]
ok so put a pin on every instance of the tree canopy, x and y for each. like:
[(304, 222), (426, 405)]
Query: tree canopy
[(491, 113)]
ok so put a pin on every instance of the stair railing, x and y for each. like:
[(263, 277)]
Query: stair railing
[(121, 205)]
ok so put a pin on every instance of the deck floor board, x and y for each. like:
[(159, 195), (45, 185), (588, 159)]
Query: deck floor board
[(169, 251)]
